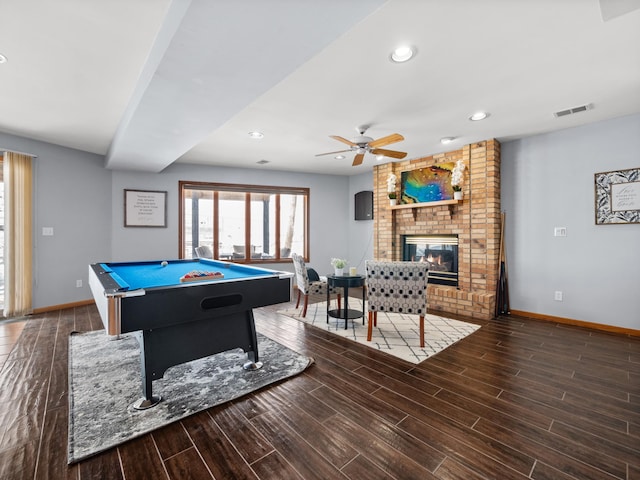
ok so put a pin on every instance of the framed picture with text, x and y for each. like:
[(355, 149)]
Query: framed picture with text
[(618, 197), (145, 208)]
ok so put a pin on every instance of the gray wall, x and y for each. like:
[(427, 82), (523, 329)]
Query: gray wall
[(548, 181), (361, 231), (72, 194), (328, 217), (83, 202)]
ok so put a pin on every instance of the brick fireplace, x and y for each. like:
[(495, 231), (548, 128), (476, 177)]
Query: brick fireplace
[(475, 220)]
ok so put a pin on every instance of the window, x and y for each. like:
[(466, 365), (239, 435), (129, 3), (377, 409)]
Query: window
[(243, 223)]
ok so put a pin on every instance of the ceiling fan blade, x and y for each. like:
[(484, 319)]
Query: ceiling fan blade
[(358, 160), (344, 140), (332, 153), (389, 153), (381, 142)]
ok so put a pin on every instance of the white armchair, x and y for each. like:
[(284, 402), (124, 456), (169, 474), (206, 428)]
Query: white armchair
[(399, 287), (204, 251), (306, 287)]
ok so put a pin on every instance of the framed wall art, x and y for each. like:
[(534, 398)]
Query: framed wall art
[(145, 208), (430, 184), (617, 196)]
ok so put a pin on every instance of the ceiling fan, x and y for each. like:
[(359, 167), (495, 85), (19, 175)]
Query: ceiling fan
[(362, 144)]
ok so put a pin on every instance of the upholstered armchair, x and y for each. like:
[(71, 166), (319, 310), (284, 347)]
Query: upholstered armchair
[(398, 287), (306, 287), (204, 251)]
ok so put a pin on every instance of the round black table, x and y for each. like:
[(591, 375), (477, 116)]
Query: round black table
[(345, 282)]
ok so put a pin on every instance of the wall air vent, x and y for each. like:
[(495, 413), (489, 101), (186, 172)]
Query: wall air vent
[(571, 111)]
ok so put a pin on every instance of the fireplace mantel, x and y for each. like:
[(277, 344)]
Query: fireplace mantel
[(425, 204), (416, 207)]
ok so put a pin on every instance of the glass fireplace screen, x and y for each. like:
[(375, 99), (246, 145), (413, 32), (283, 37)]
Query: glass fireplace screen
[(439, 251)]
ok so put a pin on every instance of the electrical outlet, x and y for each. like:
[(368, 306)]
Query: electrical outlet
[(47, 231), (558, 296), (560, 232), (79, 283)]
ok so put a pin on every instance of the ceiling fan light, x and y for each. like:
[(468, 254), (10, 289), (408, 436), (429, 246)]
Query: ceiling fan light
[(256, 134), (478, 116), (403, 53), (361, 150)]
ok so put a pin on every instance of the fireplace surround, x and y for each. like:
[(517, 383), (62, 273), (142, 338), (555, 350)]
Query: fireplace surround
[(475, 221)]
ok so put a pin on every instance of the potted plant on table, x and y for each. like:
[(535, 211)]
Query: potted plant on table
[(338, 265)]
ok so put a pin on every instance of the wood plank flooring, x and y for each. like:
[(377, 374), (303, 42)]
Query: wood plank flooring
[(9, 333), (518, 399)]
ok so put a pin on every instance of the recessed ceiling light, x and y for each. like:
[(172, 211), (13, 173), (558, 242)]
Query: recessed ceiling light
[(403, 53), (3, 59), (445, 140), (339, 157), (478, 116), (256, 134), (379, 157)]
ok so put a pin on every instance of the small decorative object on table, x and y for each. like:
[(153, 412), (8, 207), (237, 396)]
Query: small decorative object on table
[(197, 275), (338, 265), (457, 179)]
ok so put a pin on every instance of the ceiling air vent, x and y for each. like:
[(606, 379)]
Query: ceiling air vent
[(262, 162), (571, 111)]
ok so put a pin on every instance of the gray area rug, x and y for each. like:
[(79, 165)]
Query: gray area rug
[(396, 334), (105, 381)]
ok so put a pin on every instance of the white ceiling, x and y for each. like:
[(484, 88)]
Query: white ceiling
[(151, 82)]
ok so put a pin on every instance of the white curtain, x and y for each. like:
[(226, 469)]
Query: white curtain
[(18, 239)]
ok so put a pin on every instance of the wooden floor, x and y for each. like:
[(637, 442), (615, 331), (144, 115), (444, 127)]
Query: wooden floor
[(517, 399)]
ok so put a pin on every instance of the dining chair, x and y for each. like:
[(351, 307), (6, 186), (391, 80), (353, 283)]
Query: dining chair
[(396, 287), (307, 287)]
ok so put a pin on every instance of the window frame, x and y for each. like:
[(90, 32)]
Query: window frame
[(247, 189)]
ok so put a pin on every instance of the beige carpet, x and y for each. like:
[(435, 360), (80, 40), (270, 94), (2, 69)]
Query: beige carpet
[(396, 334)]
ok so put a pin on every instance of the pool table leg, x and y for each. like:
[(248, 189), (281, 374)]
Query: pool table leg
[(148, 400), (252, 363), (166, 347)]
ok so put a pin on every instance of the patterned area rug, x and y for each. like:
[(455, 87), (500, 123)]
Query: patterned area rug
[(396, 334), (105, 381)]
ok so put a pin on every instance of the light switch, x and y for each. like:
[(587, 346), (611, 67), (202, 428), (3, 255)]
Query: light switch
[(47, 231), (560, 232)]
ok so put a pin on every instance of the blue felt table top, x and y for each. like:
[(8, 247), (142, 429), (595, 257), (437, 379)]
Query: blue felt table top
[(136, 275)]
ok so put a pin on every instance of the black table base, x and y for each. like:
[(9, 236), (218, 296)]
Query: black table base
[(345, 282)]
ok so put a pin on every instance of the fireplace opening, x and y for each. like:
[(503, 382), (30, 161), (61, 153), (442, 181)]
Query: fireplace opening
[(439, 251)]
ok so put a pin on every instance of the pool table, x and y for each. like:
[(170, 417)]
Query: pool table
[(179, 321)]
